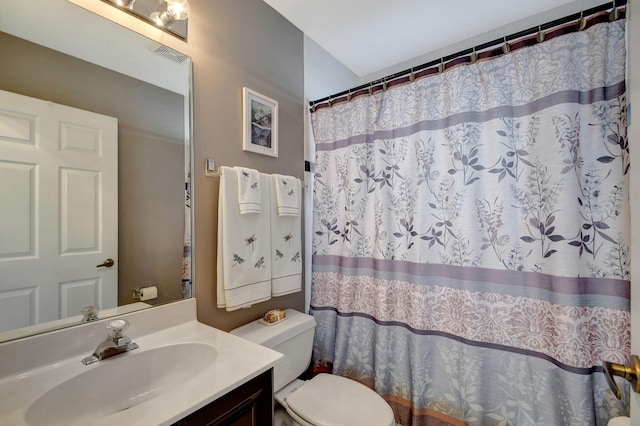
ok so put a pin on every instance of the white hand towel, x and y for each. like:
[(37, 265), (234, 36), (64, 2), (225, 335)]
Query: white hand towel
[(249, 190), (287, 195), (244, 261), (286, 246)]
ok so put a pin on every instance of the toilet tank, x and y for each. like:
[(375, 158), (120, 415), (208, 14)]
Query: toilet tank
[(292, 337)]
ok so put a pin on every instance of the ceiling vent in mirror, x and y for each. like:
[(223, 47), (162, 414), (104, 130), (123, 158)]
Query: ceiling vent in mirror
[(168, 52), (168, 15)]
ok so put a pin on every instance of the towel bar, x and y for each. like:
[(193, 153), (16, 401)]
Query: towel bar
[(211, 170)]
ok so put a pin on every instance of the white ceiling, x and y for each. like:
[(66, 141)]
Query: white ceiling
[(368, 36)]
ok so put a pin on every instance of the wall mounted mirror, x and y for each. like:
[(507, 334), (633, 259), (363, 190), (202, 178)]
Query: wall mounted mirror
[(60, 222)]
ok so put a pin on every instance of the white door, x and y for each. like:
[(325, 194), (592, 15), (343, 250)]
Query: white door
[(58, 210)]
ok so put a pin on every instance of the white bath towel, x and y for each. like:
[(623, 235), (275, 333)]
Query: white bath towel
[(244, 261), (286, 244), (249, 191), (288, 197)]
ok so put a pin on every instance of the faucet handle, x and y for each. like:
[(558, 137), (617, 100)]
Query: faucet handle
[(116, 327), (89, 313)]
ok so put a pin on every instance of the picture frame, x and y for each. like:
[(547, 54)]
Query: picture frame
[(260, 123)]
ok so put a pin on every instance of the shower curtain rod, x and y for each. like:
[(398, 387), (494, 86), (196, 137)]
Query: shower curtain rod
[(447, 62)]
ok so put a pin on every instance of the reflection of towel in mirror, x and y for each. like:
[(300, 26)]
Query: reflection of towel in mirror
[(287, 190), (286, 244), (248, 190), (244, 262)]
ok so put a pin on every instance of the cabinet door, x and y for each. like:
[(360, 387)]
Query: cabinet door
[(250, 404)]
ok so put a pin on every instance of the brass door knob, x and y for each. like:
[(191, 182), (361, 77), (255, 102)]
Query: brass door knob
[(630, 373), (108, 263)]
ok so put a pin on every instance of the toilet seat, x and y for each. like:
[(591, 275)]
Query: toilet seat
[(330, 400)]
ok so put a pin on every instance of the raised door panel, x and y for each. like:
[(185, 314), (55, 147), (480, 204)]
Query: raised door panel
[(18, 127), (79, 211), (75, 295), (18, 222), (19, 308)]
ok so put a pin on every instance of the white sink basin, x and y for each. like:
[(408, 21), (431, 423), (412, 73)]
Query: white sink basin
[(119, 383), (181, 366)]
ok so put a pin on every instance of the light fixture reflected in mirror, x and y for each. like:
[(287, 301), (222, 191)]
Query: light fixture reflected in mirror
[(126, 3), (177, 10), (168, 15)]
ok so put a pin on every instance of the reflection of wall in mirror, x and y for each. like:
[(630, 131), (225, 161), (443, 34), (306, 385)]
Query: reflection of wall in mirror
[(151, 155)]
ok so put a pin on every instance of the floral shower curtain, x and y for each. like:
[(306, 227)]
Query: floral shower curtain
[(471, 237)]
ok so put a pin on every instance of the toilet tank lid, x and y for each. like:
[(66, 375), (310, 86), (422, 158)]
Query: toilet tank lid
[(272, 335)]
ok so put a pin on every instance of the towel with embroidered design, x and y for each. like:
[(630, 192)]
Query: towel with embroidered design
[(286, 241), (288, 195), (249, 190), (244, 260)]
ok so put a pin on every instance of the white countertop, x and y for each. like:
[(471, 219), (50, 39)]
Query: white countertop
[(237, 361)]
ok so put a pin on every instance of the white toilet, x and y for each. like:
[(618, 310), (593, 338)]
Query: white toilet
[(325, 400)]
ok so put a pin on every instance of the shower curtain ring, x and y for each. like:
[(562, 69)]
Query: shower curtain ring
[(614, 14), (412, 76), (506, 47), (349, 96), (384, 85), (441, 66), (474, 56), (541, 35), (582, 22)]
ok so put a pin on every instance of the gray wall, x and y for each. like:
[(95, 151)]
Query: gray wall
[(150, 155), (237, 43)]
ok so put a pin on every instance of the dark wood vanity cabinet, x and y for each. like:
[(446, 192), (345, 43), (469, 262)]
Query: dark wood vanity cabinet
[(251, 404)]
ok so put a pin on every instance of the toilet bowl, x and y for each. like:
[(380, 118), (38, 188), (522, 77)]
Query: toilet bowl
[(280, 417), (334, 400), (326, 399)]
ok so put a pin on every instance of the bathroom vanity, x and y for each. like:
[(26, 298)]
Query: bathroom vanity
[(183, 373), (249, 404)]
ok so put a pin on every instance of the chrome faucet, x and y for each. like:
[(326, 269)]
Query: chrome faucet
[(115, 343)]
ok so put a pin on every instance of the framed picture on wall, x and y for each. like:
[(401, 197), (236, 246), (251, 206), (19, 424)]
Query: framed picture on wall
[(260, 123)]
